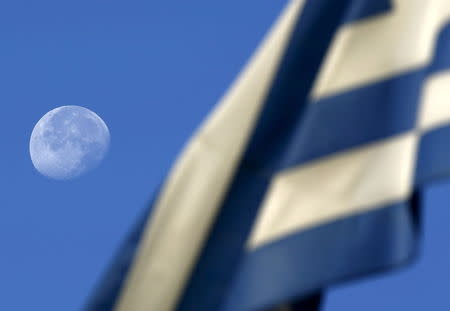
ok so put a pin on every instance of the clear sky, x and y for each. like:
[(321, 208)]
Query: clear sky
[(152, 70)]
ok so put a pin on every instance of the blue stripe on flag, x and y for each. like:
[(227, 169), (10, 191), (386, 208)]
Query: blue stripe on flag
[(221, 255), (441, 59), (434, 156), (361, 9), (304, 261), (378, 111)]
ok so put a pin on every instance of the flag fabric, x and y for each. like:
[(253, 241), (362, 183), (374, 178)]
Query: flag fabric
[(309, 170)]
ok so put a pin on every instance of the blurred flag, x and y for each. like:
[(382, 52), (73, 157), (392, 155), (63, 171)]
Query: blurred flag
[(308, 171)]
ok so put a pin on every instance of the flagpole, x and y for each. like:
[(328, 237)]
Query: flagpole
[(310, 303)]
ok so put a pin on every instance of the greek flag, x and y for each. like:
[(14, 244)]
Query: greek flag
[(309, 170)]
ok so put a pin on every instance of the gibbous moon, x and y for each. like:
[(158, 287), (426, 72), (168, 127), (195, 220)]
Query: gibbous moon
[(68, 141)]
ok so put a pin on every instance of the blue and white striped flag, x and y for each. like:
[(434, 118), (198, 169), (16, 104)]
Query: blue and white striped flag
[(308, 171)]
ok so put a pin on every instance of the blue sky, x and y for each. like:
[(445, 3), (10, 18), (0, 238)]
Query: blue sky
[(152, 70)]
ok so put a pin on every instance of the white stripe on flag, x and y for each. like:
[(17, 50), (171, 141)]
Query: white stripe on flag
[(436, 102), (337, 186), (192, 195), (383, 46)]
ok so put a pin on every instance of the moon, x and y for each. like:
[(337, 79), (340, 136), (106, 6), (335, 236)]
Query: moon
[(68, 141)]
